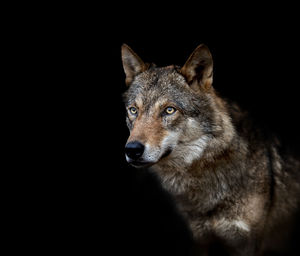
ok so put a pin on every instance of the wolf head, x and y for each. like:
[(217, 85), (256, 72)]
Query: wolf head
[(173, 113)]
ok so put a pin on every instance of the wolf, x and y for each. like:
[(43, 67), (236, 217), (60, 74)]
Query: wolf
[(238, 190)]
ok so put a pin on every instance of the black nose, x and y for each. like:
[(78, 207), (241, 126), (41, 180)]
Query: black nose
[(134, 150)]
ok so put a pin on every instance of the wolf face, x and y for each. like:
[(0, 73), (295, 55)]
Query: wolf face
[(169, 109)]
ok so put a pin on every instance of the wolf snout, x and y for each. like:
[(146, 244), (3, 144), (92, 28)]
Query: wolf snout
[(134, 150)]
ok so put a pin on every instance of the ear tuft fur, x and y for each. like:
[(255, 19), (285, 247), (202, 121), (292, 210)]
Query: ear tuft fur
[(198, 69), (132, 64)]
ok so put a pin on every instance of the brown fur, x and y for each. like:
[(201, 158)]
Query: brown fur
[(228, 178)]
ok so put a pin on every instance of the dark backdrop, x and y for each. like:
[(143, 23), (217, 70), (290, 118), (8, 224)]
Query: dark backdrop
[(99, 201)]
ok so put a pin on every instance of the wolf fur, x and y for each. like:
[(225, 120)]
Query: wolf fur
[(230, 180)]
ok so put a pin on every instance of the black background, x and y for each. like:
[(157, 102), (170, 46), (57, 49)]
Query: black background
[(97, 201)]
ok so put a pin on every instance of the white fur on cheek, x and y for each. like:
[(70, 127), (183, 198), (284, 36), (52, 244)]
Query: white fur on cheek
[(225, 225), (153, 154), (241, 225), (195, 149), (169, 141)]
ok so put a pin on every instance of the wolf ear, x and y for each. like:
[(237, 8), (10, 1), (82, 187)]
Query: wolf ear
[(132, 63), (198, 69)]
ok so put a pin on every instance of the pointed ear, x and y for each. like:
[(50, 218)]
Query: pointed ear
[(198, 70), (132, 63)]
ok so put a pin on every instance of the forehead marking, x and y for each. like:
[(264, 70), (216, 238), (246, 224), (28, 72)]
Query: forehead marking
[(150, 106), (139, 102)]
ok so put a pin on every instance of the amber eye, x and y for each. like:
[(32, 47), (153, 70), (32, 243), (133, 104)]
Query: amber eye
[(133, 110), (170, 110)]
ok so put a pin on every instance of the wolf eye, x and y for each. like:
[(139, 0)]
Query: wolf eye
[(170, 110), (133, 110)]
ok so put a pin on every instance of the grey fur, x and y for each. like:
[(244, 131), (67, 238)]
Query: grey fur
[(228, 179)]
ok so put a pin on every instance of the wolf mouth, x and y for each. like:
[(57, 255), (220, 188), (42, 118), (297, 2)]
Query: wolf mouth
[(141, 163), (167, 153)]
